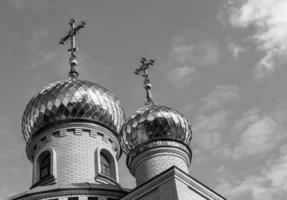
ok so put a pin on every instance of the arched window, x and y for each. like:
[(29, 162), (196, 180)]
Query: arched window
[(45, 165), (105, 165)]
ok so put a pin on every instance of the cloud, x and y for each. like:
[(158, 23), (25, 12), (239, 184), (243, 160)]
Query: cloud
[(211, 122), (258, 134), (220, 96), (276, 170), (236, 49), (258, 138), (185, 50), (248, 117), (188, 53), (255, 134), (268, 183), (208, 129), (181, 77), (269, 18)]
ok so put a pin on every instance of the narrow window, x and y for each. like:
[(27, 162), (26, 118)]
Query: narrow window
[(105, 165), (93, 198), (45, 165), (73, 198)]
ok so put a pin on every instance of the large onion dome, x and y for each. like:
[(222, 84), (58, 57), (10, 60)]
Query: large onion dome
[(72, 100), (154, 122)]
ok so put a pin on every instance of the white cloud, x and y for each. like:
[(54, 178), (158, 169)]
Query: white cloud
[(181, 77), (269, 17), (208, 129), (257, 138), (210, 124), (220, 95), (258, 134), (200, 53), (276, 170), (248, 117), (188, 53), (268, 183), (235, 49)]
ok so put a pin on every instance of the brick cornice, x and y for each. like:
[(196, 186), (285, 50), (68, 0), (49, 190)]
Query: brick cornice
[(94, 189)]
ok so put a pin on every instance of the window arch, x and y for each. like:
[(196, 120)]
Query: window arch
[(106, 164), (44, 167)]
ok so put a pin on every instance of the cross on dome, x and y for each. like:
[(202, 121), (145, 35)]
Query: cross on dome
[(73, 74), (145, 65)]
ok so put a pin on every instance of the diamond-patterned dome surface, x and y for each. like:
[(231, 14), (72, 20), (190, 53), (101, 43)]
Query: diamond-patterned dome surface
[(153, 122), (72, 100)]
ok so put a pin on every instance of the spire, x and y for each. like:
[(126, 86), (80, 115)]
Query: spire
[(73, 74), (145, 65)]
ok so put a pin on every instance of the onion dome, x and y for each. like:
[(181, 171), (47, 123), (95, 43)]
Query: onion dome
[(154, 122), (72, 100)]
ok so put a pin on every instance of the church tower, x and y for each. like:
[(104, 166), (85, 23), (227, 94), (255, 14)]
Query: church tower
[(155, 138), (75, 131), (71, 129)]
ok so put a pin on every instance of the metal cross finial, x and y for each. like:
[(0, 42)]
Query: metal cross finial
[(73, 74), (145, 64)]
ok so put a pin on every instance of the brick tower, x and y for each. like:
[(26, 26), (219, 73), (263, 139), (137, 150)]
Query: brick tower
[(71, 129), (155, 138)]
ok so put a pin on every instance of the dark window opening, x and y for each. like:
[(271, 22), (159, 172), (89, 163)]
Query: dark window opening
[(73, 198), (45, 166), (105, 165), (93, 198)]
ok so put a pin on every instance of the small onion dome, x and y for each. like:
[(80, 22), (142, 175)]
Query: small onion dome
[(152, 123), (72, 100)]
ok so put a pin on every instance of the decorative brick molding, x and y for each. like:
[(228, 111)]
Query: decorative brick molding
[(62, 192), (78, 129)]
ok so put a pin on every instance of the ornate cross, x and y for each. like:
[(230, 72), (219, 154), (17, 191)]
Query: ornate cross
[(73, 74), (145, 65)]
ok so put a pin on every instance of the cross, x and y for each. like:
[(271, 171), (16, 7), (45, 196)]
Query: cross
[(73, 74), (145, 65)]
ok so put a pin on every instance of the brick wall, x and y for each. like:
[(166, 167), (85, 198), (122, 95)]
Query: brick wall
[(75, 147), (157, 163)]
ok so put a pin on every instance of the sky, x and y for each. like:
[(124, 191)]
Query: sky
[(222, 63)]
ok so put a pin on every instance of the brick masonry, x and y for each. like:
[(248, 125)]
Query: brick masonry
[(75, 148), (153, 162)]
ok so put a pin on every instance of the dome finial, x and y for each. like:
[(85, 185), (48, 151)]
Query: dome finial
[(145, 64), (73, 74)]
